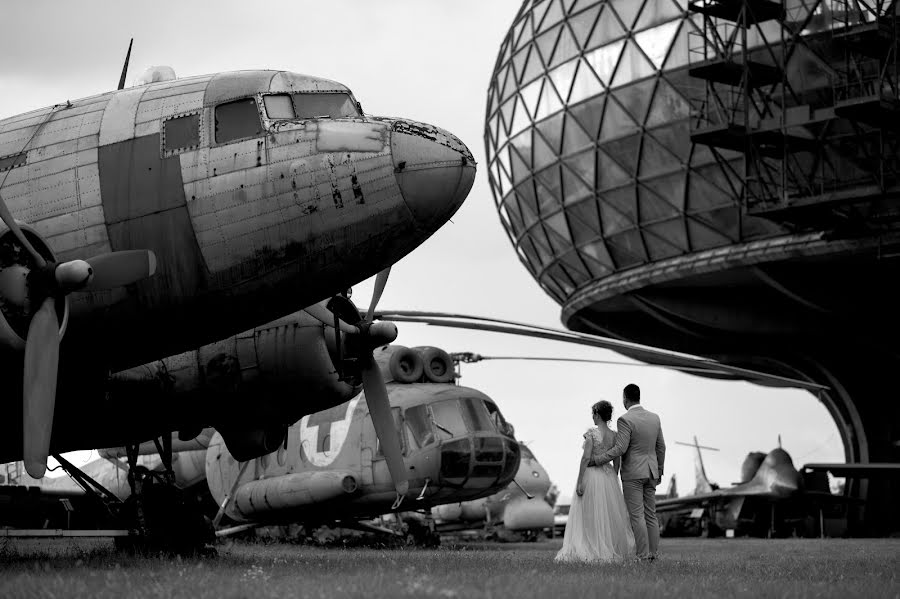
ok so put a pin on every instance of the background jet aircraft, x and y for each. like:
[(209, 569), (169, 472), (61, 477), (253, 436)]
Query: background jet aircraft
[(772, 498), (148, 221)]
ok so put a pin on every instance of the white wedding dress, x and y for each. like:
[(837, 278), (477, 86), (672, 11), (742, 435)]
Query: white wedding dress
[(598, 528)]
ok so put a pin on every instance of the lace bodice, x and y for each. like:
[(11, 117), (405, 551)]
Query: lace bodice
[(601, 442)]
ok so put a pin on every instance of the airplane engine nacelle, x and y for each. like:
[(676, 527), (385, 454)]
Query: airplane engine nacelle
[(438, 365), (15, 264), (448, 512), (399, 363), (527, 514)]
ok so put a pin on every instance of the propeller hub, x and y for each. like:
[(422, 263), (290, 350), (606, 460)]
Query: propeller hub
[(73, 275), (382, 333)]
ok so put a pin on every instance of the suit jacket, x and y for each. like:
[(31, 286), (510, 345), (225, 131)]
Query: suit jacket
[(639, 440)]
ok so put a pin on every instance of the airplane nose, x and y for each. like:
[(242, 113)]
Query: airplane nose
[(434, 169)]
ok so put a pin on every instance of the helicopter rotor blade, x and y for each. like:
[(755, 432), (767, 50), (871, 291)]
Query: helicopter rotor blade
[(634, 350)]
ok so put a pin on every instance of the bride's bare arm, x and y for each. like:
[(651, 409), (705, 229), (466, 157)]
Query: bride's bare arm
[(617, 463), (585, 458)]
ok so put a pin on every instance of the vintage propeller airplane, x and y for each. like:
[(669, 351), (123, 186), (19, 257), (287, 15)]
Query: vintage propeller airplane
[(147, 221), (454, 445), (521, 508)]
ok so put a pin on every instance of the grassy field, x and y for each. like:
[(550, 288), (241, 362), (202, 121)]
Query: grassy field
[(688, 568)]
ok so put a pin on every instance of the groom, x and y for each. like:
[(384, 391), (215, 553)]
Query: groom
[(639, 441)]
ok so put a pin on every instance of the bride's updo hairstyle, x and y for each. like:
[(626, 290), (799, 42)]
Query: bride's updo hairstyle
[(603, 409)]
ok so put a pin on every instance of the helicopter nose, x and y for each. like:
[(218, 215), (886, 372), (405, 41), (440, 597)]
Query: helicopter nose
[(434, 169)]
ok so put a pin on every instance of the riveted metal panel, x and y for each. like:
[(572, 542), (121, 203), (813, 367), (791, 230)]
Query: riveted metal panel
[(159, 108), (285, 81), (135, 181), (119, 117), (81, 243), (241, 84)]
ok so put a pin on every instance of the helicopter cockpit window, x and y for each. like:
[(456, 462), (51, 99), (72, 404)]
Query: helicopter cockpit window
[(497, 418), (476, 415), (324, 105), (279, 106), (419, 425), (448, 419), (526, 453), (237, 120)]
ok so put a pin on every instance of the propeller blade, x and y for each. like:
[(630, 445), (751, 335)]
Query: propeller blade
[(327, 317), (116, 269), (380, 282), (39, 388), (380, 411), (10, 222)]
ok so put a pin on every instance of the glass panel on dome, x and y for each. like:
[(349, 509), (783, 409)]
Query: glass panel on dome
[(656, 42), (574, 188), (543, 153), (576, 269), (670, 187), (560, 239), (586, 214), (668, 105), (627, 249), (549, 102), (557, 224), (586, 84), (603, 60), (632, 66), (575, 138), (635, 98), (527, 32), (616, 122), (538, 10), (560, 276), (566, 47), (624, 201), (528, 249), (613, 220), (527, 202), (520, 60), (562, 77), (676, 138), (521, 120), (509, 83), (581, 233), (583, 23), (570, 4), (703, 237), (609, 173), (608, 28), (548, 179), (589, 114), (654, 207), (666, 239), (533, 69), (507, 111), (530, 94), (546, 42), (552, 130), (582, 164), (678, 55), (703, 195), (655, 159), (548, 201), (521, 165), (541, 244), (554, 15), (627, 10), (625, 152), (725, 219), (599, 253), (515, 215), (656, 12)]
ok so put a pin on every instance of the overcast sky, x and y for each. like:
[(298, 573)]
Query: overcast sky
[(431, 61)]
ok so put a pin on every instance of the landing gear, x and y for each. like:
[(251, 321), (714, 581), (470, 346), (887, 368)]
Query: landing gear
[(422, 533)]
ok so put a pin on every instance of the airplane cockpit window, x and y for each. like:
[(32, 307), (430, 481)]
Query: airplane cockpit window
[(279, 106), (476, 415), (419, 425), (448, 419), (181, 132), (237, 120), (324, 105)]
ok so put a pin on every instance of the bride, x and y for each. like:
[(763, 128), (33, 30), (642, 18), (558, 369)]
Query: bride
[(598, 528)]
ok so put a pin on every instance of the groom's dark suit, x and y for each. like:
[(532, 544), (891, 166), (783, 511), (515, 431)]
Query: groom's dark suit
[(639, 440)]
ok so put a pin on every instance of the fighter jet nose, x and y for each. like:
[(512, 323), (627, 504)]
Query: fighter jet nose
[(434, 169)]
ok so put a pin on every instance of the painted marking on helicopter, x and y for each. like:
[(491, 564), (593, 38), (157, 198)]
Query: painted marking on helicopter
[(322, 434)]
